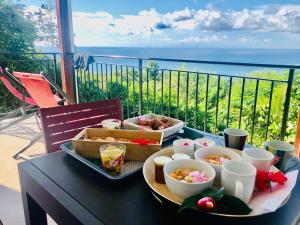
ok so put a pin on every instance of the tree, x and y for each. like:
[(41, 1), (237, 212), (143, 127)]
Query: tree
[(18, 34), (154, 70), (43, 19)]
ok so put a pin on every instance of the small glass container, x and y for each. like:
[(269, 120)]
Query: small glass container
[(113, 157), (111, 124), (159, 163)]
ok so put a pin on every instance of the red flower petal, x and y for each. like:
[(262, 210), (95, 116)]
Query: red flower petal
[(278, 177), (264, 179)]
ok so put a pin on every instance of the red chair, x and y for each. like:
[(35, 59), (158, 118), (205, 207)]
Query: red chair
[(60, 124), (33, 90)]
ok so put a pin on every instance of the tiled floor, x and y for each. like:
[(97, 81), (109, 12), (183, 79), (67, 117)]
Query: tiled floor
[(12, 139)]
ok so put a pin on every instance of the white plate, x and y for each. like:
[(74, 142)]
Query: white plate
[(131, 124), (161, 190)]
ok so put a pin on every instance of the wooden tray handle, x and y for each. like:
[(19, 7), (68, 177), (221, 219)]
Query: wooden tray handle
[(79, 135)]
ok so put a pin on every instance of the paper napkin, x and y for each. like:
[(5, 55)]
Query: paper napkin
[(266, 201)]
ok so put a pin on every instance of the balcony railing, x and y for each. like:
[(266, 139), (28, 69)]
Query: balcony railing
[(258, 101), (196, 97)]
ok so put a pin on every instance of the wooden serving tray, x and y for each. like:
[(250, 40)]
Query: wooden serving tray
[(91, 148), (129, 167)]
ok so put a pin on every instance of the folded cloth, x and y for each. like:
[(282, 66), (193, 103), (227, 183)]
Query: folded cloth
[(82, 61), (77, 61), (266, 201)]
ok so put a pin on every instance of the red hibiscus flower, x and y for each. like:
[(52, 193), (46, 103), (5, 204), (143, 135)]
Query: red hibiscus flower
[(278, 177), (264, 179)]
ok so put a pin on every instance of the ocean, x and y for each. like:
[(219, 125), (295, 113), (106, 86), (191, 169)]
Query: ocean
[(264, 56)]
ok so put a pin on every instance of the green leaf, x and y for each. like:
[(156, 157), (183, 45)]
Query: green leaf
[(225, 204), (218, 194), (190, 202)]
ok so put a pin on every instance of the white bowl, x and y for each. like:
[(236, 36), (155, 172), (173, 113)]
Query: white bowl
[(198, 143), (177, 156), (203, 152), (189, 149), (132, 124), (184, 190)]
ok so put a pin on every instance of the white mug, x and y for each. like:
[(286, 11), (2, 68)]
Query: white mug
[(238, 179), (258, 157)]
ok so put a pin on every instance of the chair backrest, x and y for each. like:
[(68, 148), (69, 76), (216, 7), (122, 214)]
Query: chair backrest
[(38, 88), (60, 124), (18, 94)]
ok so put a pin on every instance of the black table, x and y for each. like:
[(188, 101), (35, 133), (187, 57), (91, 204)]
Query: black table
[(71, 193)]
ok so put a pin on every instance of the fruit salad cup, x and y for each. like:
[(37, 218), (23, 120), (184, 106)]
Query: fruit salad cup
[(113, 157)]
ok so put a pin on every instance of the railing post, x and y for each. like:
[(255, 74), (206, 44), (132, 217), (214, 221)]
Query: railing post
[(76, 86), (66, 43), (287, 103), (55, 67), (140, 86)]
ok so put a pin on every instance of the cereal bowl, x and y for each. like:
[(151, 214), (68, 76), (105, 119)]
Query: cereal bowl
[(201, 153), (184, 189)]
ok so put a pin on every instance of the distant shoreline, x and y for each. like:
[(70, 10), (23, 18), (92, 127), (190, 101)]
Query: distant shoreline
[(239, 55)]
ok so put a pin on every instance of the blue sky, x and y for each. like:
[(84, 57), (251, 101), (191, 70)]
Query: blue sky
[(189, 23)]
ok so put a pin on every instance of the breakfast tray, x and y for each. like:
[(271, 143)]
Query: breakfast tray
[(130, 167), (162, 193)]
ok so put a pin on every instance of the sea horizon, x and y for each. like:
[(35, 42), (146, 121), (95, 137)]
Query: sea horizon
[(237, 55)]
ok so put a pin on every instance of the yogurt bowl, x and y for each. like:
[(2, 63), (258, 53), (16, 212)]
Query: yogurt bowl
[(203, 143), (185, 189), (205, 153), (185, 146)]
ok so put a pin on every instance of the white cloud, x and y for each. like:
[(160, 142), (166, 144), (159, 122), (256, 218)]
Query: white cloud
[(150, 23), (141, 24), (203, 39), (284, 18), (208, 25)]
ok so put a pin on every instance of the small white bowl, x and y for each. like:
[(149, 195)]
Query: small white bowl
[(177, 156), (203, 143), (184, 190), (203, 152), (189, 149)]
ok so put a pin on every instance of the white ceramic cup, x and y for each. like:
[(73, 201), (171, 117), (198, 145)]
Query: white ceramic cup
[(258, 157), (238, 179), (280, 149), (179, 147)]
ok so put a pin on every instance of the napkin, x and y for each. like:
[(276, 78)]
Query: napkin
[(266, 201)]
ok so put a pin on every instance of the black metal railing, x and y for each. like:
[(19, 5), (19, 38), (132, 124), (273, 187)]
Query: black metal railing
[(210, 101), (196, 97)]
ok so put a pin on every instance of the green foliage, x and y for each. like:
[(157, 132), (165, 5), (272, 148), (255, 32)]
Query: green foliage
[(162, 95), (153, 70), (43, 20), (17, 33)]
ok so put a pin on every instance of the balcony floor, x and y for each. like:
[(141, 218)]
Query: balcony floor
[(12, 139)]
